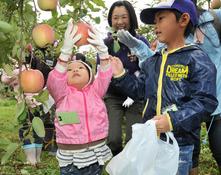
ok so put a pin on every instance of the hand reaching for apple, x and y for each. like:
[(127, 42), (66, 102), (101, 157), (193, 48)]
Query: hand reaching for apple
[(97, 41), (70, 38)]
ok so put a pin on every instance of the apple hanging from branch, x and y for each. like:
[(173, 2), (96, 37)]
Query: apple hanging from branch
[(83, 30), (31, 81), (47, 5), (43, 34)]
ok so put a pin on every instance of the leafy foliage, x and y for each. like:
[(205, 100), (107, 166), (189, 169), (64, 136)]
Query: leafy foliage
[(17, 19)]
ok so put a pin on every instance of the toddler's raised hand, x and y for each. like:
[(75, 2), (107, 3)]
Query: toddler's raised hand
[(70, 38), (97, 41)]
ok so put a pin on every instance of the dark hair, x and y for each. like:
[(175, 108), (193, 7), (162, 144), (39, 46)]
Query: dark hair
[(83, 58), (195, 2), (131, 12), (189, 29), (80, 56)]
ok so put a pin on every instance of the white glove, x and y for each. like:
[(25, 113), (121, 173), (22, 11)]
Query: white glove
[(69, 40), (128, 102), (126, 38), (97, 41)]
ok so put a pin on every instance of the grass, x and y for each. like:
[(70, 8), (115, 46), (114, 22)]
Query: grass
[(49, 164)]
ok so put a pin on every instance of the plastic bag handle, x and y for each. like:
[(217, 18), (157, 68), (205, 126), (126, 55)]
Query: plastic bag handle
[(169, 136)]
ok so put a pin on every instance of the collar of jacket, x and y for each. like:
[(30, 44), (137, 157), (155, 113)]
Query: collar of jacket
[(205, 17), (177, 50)]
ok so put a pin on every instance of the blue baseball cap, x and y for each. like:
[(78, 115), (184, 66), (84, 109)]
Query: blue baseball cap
[(147, 15)]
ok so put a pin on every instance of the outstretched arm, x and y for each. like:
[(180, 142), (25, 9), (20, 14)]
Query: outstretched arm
[(137, 47), (57, 81), (70, 38), (96, 40)]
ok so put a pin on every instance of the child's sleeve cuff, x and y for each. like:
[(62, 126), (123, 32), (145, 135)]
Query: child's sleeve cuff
[(120, 75)]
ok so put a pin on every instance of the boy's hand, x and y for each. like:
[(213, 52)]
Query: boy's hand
[(97, 41), (117, 66), (162, 124), (70, 38), (127, 39)]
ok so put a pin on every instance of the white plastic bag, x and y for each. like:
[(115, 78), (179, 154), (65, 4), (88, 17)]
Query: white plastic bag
[(145, 154), (167, 159)]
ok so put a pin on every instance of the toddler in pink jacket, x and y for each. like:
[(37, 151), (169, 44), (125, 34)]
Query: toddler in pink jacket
[(81, 117)]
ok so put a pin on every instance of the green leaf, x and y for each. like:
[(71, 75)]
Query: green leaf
[(5, 27), (97, 20), (15, 50), (22, 118), (42, 97), (21, 112), (2, 37), (11, 148), (20, 108), (8, 69), (116, 46), (99, 3), (38, 126), (63, 2), (54, 13)]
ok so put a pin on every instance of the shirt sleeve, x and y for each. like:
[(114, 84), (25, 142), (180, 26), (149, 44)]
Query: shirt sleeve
[(57, 82), (142, 51), (102, 81)]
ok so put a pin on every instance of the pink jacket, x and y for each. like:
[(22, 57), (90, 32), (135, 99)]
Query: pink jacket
[(87, 103)]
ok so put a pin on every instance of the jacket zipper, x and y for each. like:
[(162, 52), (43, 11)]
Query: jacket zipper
[(86, 116), (160, 79)]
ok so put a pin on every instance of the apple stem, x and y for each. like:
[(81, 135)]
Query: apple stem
[(32, 55)]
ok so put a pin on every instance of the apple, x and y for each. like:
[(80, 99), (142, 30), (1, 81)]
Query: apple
[(29, 47), (47, 5), (43, 34), (83, 30), (31, 81)]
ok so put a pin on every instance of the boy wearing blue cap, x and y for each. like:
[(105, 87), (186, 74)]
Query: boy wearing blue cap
[(178, 83)]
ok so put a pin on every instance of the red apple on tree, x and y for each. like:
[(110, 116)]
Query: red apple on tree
[(31, 81), (83, 30), (43, 34), (47, 5)]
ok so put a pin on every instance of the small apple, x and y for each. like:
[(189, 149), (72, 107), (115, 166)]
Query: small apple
[(43, 34), (83, 30), (47, 5), (29, 47), (31, 80)]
